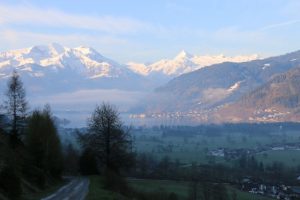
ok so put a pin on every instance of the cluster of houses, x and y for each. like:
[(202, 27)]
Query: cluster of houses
[(282, 191), (287, 146), (230, 153)]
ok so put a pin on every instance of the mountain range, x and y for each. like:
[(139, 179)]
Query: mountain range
[(201, 89), (54, 68), (228, 91), (184, 63)]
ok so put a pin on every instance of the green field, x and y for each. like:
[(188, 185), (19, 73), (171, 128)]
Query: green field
[(194, 149), (160, 186), (288, 157), (181, 189)]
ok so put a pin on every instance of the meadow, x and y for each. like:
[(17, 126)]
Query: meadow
[(180, 188), (188, 148)]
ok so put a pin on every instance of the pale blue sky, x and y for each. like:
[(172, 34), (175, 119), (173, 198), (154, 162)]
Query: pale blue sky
[(144, 31)]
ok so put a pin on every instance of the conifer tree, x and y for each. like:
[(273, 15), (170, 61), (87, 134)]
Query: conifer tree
[(43, 143), (16, 106)]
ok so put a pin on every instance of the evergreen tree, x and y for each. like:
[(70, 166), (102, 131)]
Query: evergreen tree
[(43, 143), (16, 106)]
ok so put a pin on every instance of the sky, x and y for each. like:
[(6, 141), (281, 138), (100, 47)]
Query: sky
[(145, 31)]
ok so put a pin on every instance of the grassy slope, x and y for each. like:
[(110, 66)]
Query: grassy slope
[(182, 189), (97, 192)]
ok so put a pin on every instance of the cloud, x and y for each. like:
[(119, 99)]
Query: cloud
[(73, 107), (12, 39), (123, 99), (279, 25), (30, 15)]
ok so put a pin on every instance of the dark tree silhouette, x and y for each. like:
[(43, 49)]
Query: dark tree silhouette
[(44, 144), (88, 163), (16, 106), (111, 144), (108, 139)]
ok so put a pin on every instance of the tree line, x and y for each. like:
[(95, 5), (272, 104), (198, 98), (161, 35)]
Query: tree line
[(31, 150), (30, 147)]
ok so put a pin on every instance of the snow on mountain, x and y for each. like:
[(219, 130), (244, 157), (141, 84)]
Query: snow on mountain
[(90, 64), (54, 68), (181, 64), (234, 86), (184, 63), (84, 60), (138, 68), (57, 68)]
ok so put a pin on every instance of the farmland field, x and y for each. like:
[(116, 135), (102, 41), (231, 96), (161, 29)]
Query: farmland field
[(181, 189), (189, 148), (288, 157)]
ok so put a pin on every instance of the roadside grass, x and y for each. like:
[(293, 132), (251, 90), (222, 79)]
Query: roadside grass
[(96, 190)]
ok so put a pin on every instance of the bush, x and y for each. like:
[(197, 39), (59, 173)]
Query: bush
[(115, 182), (173, 196)]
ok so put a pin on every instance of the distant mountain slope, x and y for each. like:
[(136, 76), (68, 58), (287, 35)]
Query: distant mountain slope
[(54, 68), (212, 87), (276, 100)]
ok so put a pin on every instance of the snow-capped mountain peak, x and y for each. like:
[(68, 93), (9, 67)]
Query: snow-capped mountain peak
[(88, 51), (59, 63), (138, 68), (183, 55), (84, 60), (46, 51), (184, 62), (53, 68)]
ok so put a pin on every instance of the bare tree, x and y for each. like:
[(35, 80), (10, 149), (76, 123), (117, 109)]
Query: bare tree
[(16, 104), (108, 139)]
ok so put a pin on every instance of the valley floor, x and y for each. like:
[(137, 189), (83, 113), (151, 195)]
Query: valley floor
[(180, 188)]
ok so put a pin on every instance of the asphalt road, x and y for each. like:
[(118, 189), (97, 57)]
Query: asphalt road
[(76, 189)]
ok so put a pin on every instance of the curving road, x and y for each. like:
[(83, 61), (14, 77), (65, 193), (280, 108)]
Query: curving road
[(76, 189)]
